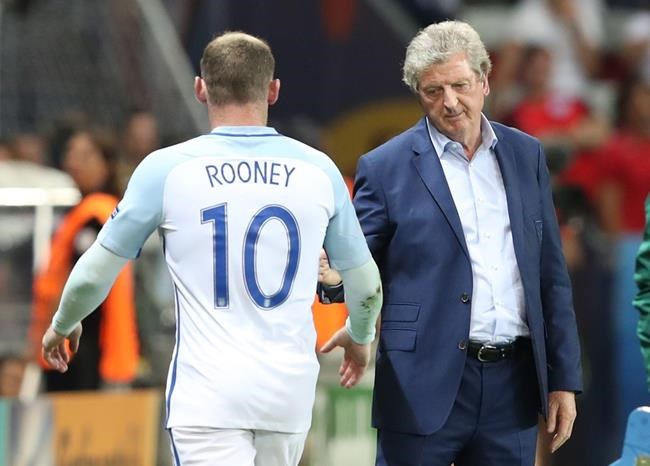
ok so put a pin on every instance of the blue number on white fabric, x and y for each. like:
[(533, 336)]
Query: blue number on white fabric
[(252, 235), (218, 216)]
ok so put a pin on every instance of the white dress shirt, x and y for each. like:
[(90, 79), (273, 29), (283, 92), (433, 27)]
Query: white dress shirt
[(498, 309)]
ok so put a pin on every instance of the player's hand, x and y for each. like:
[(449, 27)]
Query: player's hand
[(327, 276), (55, 351), (561, 414), (355, 359)]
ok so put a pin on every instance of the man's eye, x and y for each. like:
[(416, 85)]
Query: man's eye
[(462, 86)]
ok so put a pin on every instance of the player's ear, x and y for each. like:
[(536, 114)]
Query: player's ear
[(200, 92), (274, 91)]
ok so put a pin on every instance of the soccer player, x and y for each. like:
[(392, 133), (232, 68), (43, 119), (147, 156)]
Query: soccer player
[(243, 212)]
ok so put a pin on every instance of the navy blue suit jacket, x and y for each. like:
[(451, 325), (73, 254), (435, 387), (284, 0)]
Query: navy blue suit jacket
[(411, 224)]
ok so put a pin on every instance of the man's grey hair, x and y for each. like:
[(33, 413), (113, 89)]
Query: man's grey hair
[(437, 42)]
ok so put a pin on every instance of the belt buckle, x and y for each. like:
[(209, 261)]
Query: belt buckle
[(479, 355)]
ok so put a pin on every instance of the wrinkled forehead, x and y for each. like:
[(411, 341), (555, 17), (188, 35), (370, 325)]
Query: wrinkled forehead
[(455, 68)]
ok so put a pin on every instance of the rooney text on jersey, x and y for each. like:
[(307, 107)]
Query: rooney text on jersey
[(249, 172)]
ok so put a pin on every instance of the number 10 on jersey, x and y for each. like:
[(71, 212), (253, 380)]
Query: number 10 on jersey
[(218, 216)]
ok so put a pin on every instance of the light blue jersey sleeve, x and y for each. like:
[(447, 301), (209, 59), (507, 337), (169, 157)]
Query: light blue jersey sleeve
[(344, 241), (139, 212)]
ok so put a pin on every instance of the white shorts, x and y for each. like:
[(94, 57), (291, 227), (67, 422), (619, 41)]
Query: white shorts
[(204, 446)]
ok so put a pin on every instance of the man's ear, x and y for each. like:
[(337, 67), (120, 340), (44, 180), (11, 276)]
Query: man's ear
[(200, 92), (274, 91), (486, 86)]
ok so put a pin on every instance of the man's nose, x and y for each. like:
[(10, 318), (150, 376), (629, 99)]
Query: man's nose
[(450, 99)]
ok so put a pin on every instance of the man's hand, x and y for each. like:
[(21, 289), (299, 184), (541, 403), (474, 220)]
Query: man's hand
[(54, 347), (561, 414), (355, 358), (327, 276)]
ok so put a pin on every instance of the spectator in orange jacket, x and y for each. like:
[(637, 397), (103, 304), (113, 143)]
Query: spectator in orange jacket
[(109, 353)]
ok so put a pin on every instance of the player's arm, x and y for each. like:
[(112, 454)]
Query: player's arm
[(349, 255), (369, 207), (138, 214), (88, 285), (364, 300), (331, 290)]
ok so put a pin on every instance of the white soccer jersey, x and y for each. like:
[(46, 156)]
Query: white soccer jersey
[(243, 213)]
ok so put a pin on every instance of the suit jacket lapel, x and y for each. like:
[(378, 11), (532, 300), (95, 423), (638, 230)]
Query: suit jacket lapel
[(507, 160), (427, 164)]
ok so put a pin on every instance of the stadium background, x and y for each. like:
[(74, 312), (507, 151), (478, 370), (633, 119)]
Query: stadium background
[(339, 62)]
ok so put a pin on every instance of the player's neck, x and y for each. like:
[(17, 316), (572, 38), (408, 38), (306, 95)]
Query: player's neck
[(252, 114)]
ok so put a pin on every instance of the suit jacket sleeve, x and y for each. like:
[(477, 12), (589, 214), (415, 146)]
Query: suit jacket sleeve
[(562, 342), (370, 206)]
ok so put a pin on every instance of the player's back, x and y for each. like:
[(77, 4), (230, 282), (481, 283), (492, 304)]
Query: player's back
[(244, 215)]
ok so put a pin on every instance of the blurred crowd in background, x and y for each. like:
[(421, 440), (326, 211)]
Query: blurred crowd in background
[(88, 89)]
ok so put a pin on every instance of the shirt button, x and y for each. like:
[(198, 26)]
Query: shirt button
[(464, 298), (462, 345)]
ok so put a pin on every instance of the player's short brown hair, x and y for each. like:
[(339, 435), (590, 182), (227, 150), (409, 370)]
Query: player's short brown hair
[(237, 68)]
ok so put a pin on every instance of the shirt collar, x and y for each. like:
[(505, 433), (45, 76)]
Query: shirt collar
[(442, 142), (244, 131)]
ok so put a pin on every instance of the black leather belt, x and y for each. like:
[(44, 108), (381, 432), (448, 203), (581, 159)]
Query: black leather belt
[(490, 352)]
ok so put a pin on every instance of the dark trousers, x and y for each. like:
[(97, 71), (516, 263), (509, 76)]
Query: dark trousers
[(493, 421)]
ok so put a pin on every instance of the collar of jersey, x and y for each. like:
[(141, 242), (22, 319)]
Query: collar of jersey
[(244, 131)]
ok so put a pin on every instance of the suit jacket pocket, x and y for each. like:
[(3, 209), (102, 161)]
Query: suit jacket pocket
[(397, 339), (400, 312), (539, 229)]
